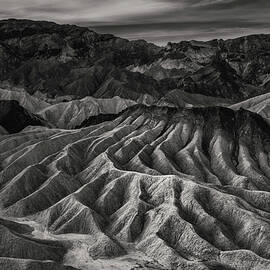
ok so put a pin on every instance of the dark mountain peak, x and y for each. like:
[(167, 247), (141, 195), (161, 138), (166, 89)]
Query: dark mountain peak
[(19, 28)]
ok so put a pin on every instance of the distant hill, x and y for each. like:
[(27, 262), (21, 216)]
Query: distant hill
[(70, 60)]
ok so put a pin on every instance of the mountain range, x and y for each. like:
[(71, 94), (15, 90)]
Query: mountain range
[(118, 154)]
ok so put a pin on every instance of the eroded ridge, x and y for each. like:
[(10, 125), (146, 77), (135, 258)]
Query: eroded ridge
[(188, 187)]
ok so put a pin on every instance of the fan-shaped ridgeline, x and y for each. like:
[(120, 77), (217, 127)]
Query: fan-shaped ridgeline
[(188, 187)]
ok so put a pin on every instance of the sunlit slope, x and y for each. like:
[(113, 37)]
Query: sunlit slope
[(259, 104), (67, 114)]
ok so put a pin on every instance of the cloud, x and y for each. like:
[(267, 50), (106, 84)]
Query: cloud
[(84, 10), (233, 4), (155, 20), (161, 33)]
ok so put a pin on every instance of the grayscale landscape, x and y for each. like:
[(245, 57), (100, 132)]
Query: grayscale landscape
[(124, 155)]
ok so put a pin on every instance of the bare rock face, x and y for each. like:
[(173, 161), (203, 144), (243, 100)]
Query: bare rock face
[(187, 187)]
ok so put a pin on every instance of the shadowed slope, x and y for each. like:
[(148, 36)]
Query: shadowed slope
[(14, 118)]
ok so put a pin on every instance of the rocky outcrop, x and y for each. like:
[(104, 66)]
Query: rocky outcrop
[(188, 187)]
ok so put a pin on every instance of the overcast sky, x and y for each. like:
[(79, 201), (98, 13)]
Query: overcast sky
[(157, 21)]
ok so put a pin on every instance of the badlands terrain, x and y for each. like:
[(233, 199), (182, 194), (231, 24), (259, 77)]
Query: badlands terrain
[(118, 154)]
